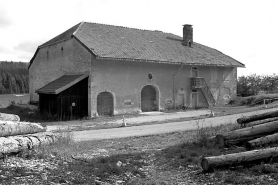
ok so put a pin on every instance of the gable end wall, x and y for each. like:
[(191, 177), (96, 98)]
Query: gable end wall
[(52, 62)]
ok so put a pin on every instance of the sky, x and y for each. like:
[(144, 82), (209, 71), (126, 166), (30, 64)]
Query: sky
[(246, 30)]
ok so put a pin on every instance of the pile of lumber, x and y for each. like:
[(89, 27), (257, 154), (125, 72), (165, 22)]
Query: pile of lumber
[(9, 117), (256, 131), (17, 136)]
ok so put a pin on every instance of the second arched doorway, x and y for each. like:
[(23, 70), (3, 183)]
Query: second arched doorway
[(148, 99), (105, 105)]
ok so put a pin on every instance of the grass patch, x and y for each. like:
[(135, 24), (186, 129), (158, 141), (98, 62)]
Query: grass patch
[(86, 168), (196, 144), (264, 169), (237, 178), (254, 100), (105, 167)]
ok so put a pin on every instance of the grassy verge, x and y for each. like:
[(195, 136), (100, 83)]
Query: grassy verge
[(171, 158)]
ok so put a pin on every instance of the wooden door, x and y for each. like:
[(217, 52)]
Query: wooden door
[(148, 99), (194, 100), (105, 105)]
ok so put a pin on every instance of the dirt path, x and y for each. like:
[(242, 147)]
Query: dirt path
[(158, 128)]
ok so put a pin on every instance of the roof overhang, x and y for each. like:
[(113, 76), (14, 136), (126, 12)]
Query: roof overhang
[(62, 83), (172, 63)]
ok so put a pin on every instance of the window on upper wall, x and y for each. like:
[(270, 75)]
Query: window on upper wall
[(194, 72), (213, 74), (227, 75)]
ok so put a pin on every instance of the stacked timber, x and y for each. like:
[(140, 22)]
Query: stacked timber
[(256, 117), (245, 134), (16, 136), (210, 163), (15, 144), (11, 128), (261, 129), (9, 117)]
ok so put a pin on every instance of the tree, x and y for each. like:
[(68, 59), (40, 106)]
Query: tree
[(13, 77), (252, 84)]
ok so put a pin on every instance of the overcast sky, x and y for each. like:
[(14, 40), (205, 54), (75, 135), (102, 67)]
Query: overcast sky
[(246, 30)]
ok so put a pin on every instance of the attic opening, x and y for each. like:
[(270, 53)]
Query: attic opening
[(189, 43)]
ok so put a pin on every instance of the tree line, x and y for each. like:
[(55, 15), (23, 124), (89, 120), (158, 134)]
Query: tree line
[(14, 77), (254, 84)]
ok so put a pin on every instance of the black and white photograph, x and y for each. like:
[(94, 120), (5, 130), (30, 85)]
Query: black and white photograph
[(129, 92)]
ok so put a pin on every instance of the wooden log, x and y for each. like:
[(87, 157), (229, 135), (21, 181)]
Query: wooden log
[(9, 117), (210, 163), (257, 117), (259, 122), (15, 144), (261, 141), (245, 134), (10, 128)]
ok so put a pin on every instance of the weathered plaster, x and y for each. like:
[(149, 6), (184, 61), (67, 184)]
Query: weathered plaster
[(125, 79), (51, 62)]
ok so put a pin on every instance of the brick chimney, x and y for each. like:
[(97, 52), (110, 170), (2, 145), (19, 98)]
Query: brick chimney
[(187, 35)]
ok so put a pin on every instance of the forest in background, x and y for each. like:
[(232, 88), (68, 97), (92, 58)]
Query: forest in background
[(14, 77), (257, 84)]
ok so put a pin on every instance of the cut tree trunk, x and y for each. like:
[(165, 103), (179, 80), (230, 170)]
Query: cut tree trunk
[(245, 134), (259, 122), (210, 163), (266, 115), (15, 144), (9, 117), (10, 128), (261, 141)]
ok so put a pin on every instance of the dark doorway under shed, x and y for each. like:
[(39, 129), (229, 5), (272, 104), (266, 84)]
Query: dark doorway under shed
[(65, 98)]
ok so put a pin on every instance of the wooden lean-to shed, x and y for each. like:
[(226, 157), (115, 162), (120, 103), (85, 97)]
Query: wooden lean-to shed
[(65, 98)]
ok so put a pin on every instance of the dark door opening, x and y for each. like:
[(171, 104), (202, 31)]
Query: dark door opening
[(148, 99), (105, 105)]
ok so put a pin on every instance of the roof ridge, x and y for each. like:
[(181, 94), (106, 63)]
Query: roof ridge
[(124, 27), (63, 36), (78, 28)]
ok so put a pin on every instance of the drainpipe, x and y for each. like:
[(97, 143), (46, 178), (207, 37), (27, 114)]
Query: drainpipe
[(174, 87)]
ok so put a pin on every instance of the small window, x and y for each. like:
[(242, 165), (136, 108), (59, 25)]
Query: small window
[(150, 76)]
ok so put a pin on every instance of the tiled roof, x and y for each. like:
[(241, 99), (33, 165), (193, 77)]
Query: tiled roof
[(63, 36), (61, 84), (115, 42)]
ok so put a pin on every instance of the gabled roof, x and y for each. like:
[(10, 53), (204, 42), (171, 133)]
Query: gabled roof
[(61, 84), (122, 43)]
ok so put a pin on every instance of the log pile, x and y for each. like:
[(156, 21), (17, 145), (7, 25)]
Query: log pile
[(9, 117), (209, 163), (12, 128), (16, 144), (259, 130), (16, 136)]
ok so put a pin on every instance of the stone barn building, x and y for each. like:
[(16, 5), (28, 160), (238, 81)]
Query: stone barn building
[(96, 69)]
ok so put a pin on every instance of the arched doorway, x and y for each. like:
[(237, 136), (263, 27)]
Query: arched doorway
[(105, 105), (148, 99)]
